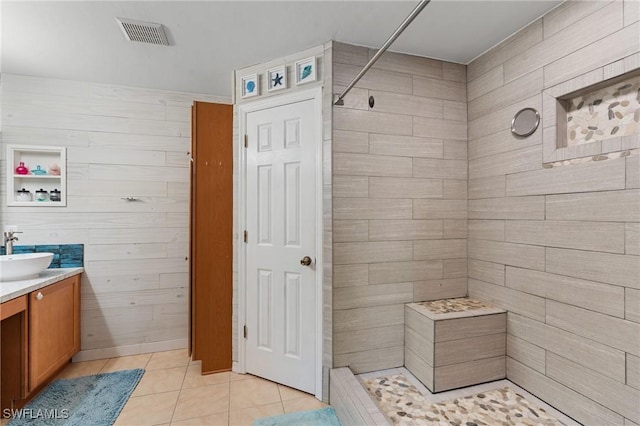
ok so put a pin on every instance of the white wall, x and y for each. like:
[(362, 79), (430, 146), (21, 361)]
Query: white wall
[(121, 142)]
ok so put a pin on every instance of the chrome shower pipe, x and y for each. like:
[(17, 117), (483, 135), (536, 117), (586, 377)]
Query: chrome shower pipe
[(385, 46)]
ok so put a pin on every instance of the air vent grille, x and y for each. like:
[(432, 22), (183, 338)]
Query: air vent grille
[(144, 32)]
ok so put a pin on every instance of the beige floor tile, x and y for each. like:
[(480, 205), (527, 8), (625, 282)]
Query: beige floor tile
[(234, 377), (287, 393), (202, 401), (253, 392), (148, 410), (79, 369), (194, 379), (246, 416), (157, 381), (126, 363), (302, 404), (221, 419), (168, 359)]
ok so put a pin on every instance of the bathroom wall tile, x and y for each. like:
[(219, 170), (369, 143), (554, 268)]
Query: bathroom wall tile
[(455, 150), (455, 228), (610, 393), (574, 404), (349, 54), (487, 229), (350, 230), (367, 339), (519, 42), (593, 176), (440, 129), (454, 189), (597, 356), (455, 268), (633, 172), (633, 371), (350, 186), (618, 333), (371, 360), (439, 289), (514, 301), (369, 252), (408, 64), (371, 121), (493, 273), (387, 187), (350, 275), (485, 83), (593, 236), (523, 87), (632, 304), (500, 120), (487, 187), (443, 169), (347, 141), (522, 351), (604, 51), (508, 208), (376, 79), (372, 295), (396, 103), (439, 209), (631, 12), (368, 208), (454, 72), (369, 317), (394, 272), (568, 13), (371, 165), (384, 230), (455, 111), (604, 267), (520, 160), (581, 33), (405, 146), (358, 98), (439, 249), (439, 89), (608, 206), (604, 298), (525, 256)]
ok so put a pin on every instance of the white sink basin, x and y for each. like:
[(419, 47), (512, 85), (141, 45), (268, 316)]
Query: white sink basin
[(15, 267)]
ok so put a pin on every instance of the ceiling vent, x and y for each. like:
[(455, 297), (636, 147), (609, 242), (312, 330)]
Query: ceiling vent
[(144, 32)]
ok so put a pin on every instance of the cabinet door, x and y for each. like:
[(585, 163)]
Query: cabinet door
[(54, 328)]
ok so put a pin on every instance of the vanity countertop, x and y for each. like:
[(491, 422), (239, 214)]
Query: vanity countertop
[(12, 289)]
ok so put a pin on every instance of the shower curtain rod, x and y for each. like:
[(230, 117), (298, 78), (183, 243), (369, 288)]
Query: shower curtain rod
[(385, 46)]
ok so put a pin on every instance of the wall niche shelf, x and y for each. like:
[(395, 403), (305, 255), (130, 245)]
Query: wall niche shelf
[(33, 156)]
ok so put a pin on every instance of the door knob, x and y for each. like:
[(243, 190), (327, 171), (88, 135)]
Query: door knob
[(305, 261)]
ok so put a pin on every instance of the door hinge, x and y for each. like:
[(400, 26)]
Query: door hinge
[(246, 141), (246, 236), (244, 331)]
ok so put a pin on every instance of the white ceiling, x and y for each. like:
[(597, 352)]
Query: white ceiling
[(81, 41)]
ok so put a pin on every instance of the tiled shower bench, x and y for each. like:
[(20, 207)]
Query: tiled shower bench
[(452, 343)]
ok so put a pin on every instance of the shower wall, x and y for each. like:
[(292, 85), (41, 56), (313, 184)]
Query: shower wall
[(558, 247), (399, 199)]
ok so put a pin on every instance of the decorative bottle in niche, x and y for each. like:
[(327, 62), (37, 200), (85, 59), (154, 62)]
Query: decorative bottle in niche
[(42, 195), (54, 169), (54, 195), (22, 169), (23, 195)]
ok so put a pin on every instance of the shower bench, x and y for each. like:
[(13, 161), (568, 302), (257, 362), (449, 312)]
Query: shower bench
[(452, 343)]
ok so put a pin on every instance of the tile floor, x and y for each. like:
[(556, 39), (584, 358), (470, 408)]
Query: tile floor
[(173, 392), (471, 390)]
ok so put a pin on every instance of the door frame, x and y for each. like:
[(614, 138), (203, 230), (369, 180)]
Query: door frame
[(314, 94)]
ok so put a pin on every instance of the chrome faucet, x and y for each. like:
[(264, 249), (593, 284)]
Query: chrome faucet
[(9, 238)]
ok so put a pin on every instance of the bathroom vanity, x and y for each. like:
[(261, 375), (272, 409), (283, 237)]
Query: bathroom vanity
[(39, 332)]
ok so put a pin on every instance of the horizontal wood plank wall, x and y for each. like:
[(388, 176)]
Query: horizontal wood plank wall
[(399, 199), (557, 247), (121, 142)]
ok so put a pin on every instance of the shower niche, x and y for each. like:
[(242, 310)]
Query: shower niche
[(590, 117)]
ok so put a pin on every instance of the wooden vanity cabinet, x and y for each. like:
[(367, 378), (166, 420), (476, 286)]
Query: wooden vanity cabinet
[(54, 328)]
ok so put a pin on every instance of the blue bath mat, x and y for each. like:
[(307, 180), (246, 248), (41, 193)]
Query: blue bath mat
[(90, 400), (323, 417)]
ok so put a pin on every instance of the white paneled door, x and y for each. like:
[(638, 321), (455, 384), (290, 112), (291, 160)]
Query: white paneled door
[(281, 225)]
